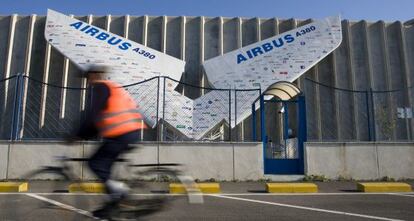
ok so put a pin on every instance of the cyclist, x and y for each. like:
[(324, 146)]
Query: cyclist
[(113, 116)]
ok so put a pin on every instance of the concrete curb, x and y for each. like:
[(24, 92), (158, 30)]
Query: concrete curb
[(384, 187), (87, 188), (13, 187), (291, 188), (178, 188)]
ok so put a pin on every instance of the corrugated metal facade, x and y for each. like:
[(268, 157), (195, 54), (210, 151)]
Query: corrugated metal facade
[(375, 56)]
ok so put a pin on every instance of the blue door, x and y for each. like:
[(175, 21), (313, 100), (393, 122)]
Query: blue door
[(284, 154)]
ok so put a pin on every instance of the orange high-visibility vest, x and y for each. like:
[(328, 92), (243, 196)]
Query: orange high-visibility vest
[(120, 115)]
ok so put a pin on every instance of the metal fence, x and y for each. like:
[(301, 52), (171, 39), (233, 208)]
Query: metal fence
[(34, 110), (358, 115)]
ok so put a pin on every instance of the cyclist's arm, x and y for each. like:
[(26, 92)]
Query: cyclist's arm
[(100, 95)]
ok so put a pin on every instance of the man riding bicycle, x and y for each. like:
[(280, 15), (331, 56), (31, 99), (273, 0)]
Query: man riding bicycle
[(112, 115)]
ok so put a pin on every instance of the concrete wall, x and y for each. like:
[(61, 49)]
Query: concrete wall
[(221, 161), (373, 55), (361, 161), (4, 154)]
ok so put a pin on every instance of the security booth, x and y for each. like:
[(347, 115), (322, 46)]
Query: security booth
[(282, 113)]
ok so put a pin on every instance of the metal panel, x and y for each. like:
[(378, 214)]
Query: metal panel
[(396, 77), (135, 29), (117, 25), (4, 36), (409, 52), (154, 33), (192, 56), (173, 37), (230, 34), (327, 99), (249, 31), (19, 48), (343, 80), (361, 77)]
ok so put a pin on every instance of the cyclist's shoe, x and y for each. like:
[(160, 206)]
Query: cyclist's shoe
[(105, 211), (117, 190)]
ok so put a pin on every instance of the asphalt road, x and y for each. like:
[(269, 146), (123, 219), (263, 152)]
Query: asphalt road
[(239, 201)]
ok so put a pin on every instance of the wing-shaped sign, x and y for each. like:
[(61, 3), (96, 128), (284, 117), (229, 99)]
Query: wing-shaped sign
[(128, 61), (85, 44), (283, 57)]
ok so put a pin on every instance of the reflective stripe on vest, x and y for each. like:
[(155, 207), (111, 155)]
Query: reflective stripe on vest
[(120, 115)]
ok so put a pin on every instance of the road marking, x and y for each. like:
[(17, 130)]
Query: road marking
[(300, 194), (401, 194), (222, 194), (61, 205), (308, 208)]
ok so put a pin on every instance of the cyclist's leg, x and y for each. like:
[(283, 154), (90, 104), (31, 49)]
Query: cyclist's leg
[(119, 189), (102, 161)]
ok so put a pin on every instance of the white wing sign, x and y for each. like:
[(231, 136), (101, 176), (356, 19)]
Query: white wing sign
[(128, 61), (283, 57), (85, 44)]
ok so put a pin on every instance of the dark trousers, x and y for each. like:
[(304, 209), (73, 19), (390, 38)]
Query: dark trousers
[(103, 159)]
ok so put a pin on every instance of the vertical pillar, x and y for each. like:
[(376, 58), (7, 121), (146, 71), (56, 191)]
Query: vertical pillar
[(84, 80), (258, 30), (352, 74), (221, 37), (126, 26), (202, 23), (9, 58), (337, 105), (145, 30), (164, 34), (45, 86), (28, 57), (183, 38), (239, 32), (407, 77), (276, 26), (64, 85), (371, 124), (221, 51), (387, 73)]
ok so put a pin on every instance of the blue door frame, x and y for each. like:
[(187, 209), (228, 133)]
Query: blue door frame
[(283, 166)]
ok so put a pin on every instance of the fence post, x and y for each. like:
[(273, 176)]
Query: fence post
[(302, 132), (163, 113), (230, 115), (254, 121), (263, 129), (158, 104), (235, 116)]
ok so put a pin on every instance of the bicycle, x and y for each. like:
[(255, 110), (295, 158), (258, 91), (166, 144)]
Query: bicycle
[(77, 205)]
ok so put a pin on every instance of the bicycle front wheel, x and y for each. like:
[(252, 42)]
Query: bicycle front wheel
[(50, 198)]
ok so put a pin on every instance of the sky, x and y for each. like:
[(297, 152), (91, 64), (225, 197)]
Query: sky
[(370, 10)]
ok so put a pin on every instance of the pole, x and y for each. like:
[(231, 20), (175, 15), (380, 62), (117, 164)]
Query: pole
[(254, 121), (230, 115)]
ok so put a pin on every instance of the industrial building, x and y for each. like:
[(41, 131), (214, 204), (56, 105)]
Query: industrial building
[(360, 92)]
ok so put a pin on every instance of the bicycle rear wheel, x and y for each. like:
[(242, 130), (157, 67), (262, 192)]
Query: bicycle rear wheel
[(142, 198), (50, 197)]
